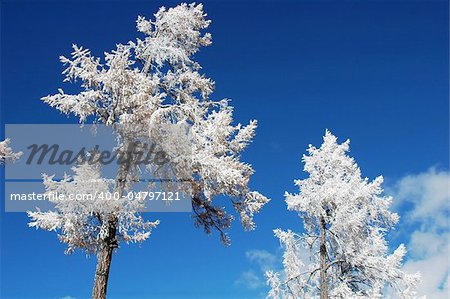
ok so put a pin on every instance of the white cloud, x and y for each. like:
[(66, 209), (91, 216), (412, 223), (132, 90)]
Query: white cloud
[(263, 258), (254, 278), (429, 194), (425, 200), (250, 279), (67, 297), (435, 274)]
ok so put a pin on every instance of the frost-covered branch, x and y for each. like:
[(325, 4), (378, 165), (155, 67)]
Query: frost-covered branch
[(84, 224), (6, 153), (148, 84)]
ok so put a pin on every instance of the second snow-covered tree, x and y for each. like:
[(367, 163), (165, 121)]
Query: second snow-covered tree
[(346, 218)]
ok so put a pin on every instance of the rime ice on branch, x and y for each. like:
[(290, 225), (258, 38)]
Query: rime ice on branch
[(6, 153), (83, 224), (345, 218), (155, 81)]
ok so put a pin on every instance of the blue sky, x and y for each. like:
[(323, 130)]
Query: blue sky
[(372, 71)]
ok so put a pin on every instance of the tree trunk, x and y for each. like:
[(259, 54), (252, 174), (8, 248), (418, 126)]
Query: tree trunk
[(104, 257), (102, 273), (323, 261)]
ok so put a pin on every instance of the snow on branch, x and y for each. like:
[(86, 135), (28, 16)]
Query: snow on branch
[(154, 81), (85, 224), (6, 153)]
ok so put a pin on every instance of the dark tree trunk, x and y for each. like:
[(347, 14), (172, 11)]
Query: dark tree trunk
[(104, 257), (323, 261), (102, 273)]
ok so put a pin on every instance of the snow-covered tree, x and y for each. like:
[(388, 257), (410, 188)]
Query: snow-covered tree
[(6, 153), (138, 89), (345, 219)]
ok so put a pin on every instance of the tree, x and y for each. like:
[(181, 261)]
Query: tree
[(138, 89), (345, 218)]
